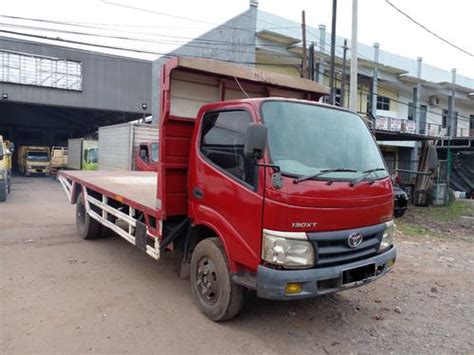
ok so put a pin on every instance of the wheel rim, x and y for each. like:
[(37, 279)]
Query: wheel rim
[(207, 281), (81, 215)]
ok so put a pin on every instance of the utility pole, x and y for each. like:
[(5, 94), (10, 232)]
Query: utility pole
[(452, 125), (420, 127), (343, 77), (304, 73), (322, 51), (332, 79), (311, 61), (354, 70), (375, 82)]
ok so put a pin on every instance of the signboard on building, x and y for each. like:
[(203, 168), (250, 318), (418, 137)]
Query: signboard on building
[(381, 123), (409, 127), (433, 130), (395, 124)]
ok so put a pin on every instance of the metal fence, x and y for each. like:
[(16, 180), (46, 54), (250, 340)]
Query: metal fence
[(429, 129)]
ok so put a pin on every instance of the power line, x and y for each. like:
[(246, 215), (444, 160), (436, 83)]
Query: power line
[(171, 56), (206, 41), (135, 50), (234, 48), (167, 14), (428, 30), (65, 23)]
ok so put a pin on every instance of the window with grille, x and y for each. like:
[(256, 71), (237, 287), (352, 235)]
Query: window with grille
[(383, 103), (26, 69)]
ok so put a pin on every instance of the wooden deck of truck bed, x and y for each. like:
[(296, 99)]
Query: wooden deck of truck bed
[(138, 188)]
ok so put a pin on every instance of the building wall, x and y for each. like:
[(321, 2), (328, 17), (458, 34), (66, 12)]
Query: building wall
[(108, 82)]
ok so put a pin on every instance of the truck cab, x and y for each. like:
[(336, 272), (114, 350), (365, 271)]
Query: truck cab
[(300, 191), (90, 158), (34, 160), (146, 157), (6, 151), (59, 157)]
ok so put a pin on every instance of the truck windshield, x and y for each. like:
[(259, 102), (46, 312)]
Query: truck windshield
[(93, 155), (59, 152), (154, 152), (37, 157), (307, 139)]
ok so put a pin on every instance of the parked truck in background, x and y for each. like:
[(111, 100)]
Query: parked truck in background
[(128, 146), (254, 188), (6, 151), (146, 156), (34, 160), (82, 154), (59, 157)]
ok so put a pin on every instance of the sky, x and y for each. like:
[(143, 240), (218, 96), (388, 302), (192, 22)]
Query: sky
[(165, 25)]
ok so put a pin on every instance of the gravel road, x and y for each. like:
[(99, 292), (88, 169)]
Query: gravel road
[(62, 295)]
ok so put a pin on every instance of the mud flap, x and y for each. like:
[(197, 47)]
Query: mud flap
[(140, 236)]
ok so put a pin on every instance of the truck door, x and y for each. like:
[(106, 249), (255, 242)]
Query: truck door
[(225, 185)]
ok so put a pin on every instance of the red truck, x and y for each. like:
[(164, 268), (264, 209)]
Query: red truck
[(146, 156), (259, 186)]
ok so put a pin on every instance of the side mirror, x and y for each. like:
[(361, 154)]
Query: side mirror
[(255, 141), (432, 158), (11, 147)]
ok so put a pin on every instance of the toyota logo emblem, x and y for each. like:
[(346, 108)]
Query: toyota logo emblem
[(354, 240)]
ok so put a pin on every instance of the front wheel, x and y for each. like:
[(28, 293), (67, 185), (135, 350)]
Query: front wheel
[(214, 292)]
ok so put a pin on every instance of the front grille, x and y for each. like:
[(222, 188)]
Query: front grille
[(332, 248), (40, 167)]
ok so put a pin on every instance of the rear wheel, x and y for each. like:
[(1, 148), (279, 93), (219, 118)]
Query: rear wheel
[(3, 191), (214, 292), (87, 227)]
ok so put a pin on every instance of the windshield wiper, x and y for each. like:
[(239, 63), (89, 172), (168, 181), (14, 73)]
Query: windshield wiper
[(322, 172), (365, 174)]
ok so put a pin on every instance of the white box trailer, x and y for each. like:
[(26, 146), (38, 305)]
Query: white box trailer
[(118, 143)]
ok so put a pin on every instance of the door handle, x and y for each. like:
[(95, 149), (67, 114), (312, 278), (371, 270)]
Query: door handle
[(197, 192)]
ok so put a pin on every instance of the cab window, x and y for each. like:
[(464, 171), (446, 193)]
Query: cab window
[(144, 153), (222, 143)]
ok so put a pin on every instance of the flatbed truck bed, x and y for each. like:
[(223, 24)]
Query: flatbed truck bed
[(135, 187)]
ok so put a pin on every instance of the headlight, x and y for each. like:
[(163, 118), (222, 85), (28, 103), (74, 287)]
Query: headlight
[(387, 239), (288, 249)]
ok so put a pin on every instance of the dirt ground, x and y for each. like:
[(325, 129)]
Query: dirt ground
[(60, 294)]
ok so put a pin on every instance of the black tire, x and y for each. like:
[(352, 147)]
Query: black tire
[(87, 227), (3, 192), (214, 292)]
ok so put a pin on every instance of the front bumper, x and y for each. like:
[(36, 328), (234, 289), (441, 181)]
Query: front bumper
[(33, 170), (271, 283)]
